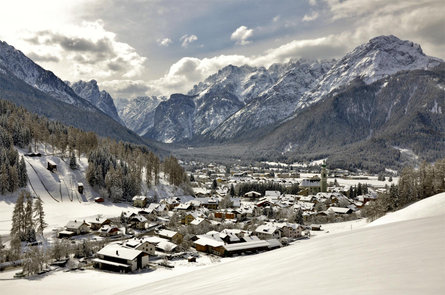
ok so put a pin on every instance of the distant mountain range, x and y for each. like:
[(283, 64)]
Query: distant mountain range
[(365, 110)]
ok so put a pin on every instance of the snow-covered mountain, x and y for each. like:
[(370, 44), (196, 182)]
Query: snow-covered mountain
[(26, 70), (101, 99), (277, 102), (173, 119), (138, 114), (381, 57), (214, 100)]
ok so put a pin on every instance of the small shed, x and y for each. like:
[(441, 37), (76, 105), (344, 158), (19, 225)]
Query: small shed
[(80, 187), (52, 166), (99, 200)]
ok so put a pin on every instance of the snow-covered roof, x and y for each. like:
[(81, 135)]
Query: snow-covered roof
[(139, 198), (75, 224), (246, 245), (117, 251), (208, 241), (167, 233)]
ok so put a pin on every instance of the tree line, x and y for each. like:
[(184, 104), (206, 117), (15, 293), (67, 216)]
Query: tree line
[(414, 185)]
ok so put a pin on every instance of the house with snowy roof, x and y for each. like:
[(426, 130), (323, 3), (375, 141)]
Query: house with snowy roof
[(140, 201), (170, 235), (77, 227), (140, 244), (118, 258), (268, 231)]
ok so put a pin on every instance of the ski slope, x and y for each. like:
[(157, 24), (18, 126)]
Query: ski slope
[(58, 191)]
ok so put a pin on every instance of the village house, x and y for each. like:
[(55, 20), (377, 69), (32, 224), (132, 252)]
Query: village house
[(161, 244), (76, 228), (199, 221), (98, 222), (252, 195), (138, 221), (118, 258), (290, 230), (140, 201), (140, 244), (268, 231), (170, 235), (310, 186), (108, 231)]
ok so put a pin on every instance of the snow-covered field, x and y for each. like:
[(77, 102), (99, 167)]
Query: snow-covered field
[(404, 256)]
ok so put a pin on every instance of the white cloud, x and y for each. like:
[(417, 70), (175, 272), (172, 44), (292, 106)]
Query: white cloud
[(310, 17), (241, 35), (164, 42), (312, 2), (187, 39)]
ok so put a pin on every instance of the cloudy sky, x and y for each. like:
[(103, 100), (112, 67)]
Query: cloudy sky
[(155, 47)]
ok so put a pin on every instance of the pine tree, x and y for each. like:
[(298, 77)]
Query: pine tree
[(232, 190), (73, 162), (299, 218), (23, 175), (39, 216), (30, 234), (18, 227), (4, 179)]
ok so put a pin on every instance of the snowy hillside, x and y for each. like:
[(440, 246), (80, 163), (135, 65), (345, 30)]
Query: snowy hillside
[(398, 258), (432, 206)]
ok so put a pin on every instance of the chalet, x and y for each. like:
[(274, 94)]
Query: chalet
[(199, 221), (51, 166), (252, 195), (268, 231), (118, 258), (225, 214), (161, 244), (80, 187), (99, 200), (98, 222), (140, 201), (138, 221), (188, 218), (108, 231), (77, 227), (339, 210), (170, 235), (290, 230), (209, 245), (264, 203), (158, 209), (273, 195), (140, 244)]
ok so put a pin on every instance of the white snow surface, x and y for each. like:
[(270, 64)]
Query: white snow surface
[(432, 206)]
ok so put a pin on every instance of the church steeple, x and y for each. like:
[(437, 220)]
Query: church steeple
[(324, 178)]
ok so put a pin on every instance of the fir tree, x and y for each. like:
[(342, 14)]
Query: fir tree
[(23, 175), (39, 216), (73, 161), (30, 234)]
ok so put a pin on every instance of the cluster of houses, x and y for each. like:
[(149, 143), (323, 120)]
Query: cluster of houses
[(154, 228)]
